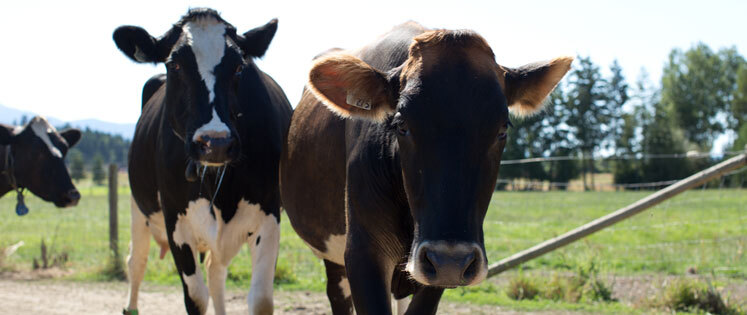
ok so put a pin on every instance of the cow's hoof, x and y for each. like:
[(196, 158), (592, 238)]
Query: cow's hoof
[(262, 307)]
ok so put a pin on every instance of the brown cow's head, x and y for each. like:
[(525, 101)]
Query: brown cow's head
[(448, 108), (38, 152), (206, 62)]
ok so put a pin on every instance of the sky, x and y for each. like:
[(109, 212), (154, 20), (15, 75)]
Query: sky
[(57, 58)]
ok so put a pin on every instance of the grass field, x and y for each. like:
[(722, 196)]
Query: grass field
[(703, 230)]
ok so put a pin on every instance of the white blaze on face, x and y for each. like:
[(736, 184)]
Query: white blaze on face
[(207, 39), (42, 129)]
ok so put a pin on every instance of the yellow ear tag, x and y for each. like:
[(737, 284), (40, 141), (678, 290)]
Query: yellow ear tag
[(352, 100)]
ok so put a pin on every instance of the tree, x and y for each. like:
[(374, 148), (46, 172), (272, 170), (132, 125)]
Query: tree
[(77, 166), (624, 170), (589, 113), (616, 95), (739, 104), (98, 170), (628, 142), (740, 144), (558, 138), (661, 136), (698, 88)]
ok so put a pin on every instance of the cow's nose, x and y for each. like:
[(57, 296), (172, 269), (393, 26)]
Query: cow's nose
[(71, 197), (450, 264), (216, 151)]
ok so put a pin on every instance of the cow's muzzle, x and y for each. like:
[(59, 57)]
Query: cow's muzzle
[(448, 264), (216, 151), (69, 198)]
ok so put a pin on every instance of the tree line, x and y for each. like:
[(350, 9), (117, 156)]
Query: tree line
[(701, 96), (95, 150)]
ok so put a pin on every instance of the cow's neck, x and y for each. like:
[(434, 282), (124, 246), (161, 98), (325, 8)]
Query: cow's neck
[(5, 185)]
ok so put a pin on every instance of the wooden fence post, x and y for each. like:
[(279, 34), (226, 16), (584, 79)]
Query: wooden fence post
[(619, 215), (113, 224)]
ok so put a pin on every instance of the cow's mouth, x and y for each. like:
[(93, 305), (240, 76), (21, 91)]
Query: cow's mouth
[(215, 152)]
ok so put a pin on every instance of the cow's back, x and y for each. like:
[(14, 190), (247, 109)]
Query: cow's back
[(313, 164)]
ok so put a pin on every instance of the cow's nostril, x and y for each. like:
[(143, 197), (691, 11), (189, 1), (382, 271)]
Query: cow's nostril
[(470, 266), (428, 262), (73, 195)]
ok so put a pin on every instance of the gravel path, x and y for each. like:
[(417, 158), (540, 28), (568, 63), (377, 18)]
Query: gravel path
[(24, 296)]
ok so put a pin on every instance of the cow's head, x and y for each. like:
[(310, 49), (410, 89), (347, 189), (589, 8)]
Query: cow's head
[(205, 60), (38, 153), (447, 112)]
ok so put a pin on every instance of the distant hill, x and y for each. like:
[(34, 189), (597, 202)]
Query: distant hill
[(10, 115)]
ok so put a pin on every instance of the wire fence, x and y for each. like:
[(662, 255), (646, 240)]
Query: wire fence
[(529, 184), (643, 156)]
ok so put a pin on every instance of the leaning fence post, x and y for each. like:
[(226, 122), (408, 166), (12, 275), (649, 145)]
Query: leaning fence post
[(113, 225)]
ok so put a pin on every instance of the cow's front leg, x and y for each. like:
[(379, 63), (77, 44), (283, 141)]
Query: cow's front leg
[(338, 289), (369, 273), (264, 246), (425, 301), (186, 258), (138, 257), (217, 271)]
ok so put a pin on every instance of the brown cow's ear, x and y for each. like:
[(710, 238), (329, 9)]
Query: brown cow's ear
[(351, 88), (527, 86)]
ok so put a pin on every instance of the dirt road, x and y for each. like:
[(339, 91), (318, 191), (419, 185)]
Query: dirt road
[(42, 297)]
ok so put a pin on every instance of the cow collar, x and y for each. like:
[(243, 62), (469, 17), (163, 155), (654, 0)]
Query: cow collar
[(10, 175)]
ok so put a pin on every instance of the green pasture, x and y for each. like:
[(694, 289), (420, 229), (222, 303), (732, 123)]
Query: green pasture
[(705, 230)]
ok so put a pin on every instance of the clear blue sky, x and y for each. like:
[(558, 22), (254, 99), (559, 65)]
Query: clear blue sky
[(57, 58)]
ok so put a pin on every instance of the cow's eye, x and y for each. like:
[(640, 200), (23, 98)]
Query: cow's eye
[(402, 130), (171, 65), (399, 125), (239, 68), (503, 133)]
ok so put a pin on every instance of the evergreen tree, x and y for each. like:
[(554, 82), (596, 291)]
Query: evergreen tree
[(77, 166), (628, 142), (557, 138), (589, 112), (661, 136), (99, 175)]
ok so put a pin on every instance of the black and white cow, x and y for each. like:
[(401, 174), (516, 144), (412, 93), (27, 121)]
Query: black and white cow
[(391, 160), (203, 164), (32, 157)]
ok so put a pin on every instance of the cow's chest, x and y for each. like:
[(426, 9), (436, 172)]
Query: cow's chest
[(198, 228)]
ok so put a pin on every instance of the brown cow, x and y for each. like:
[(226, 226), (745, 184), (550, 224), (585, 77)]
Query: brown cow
[(391, 159)]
